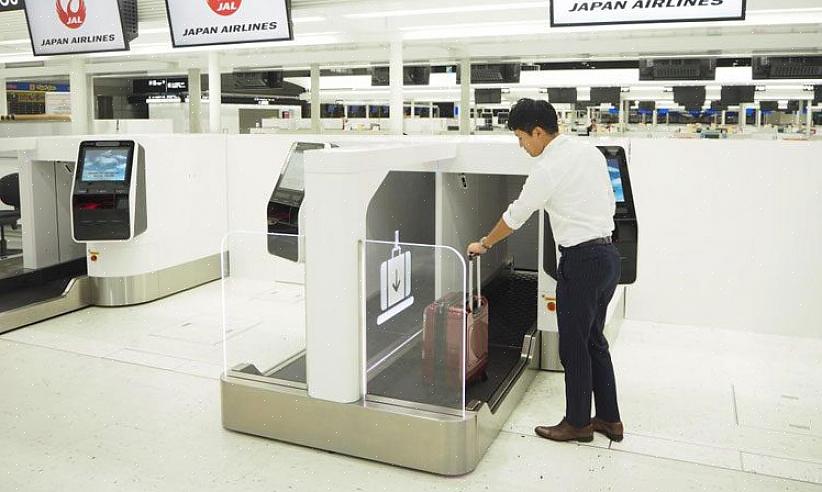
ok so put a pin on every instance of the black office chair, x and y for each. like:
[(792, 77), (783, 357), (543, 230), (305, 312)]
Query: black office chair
[(10, 195)]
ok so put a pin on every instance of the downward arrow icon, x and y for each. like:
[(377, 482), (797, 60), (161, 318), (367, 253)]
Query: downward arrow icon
[(396, 285)]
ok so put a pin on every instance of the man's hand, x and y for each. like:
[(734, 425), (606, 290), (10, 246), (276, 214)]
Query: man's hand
[(476, 249)]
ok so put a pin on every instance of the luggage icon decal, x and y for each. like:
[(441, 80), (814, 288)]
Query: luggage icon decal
[(395, 283)]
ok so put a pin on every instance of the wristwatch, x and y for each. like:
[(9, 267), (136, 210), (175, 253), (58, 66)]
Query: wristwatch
[(484, 244)]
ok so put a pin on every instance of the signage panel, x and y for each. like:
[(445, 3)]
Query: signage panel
[(9, 5), (177, 85), (59, 27), (214, 22), (36, 87), (603, 12)]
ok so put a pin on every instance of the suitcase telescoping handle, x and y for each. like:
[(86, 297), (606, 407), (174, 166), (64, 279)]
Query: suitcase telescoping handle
[(474, 260)]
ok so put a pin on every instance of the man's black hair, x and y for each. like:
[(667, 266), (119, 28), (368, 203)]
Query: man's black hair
[(528, 114)]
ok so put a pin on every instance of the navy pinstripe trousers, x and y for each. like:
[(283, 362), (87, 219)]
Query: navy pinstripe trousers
[(587, 277)]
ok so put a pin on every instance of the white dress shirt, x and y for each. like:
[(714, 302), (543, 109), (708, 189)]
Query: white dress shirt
[(570, 181)]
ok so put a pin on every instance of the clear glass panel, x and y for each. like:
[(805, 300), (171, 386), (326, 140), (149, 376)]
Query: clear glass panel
[(415, 325), (263, 307)]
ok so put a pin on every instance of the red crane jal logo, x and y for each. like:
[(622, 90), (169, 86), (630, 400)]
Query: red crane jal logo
[(225, 7), (73, 15)]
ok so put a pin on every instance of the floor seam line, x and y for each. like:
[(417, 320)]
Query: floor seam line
[(786, 432), (717, 467), (65, 351), (735, 404), (668, 439), (798, 460), (148, 352), (106, 358)]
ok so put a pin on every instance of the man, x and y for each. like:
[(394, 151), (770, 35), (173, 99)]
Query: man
[(570, 181)]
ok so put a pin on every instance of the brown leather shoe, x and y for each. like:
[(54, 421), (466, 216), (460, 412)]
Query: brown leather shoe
[(611, 430), (566, 432)]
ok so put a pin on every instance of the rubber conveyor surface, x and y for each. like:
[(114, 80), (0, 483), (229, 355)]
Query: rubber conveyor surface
[(38, 285), (512, 297)]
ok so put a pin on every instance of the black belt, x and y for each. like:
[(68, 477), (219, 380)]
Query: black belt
[(592, 242)]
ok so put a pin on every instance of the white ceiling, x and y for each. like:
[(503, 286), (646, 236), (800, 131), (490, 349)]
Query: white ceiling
[(358, 32)]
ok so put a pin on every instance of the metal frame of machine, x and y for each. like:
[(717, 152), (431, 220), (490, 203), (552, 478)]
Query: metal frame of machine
[(390, 431)]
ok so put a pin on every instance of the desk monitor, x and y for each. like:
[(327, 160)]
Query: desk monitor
[(488, 96)]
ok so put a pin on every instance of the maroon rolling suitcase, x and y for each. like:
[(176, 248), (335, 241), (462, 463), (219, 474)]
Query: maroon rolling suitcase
[(442, 335)]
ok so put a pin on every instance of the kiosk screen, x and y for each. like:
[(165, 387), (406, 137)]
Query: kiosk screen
[(616, 179), (105, 164), (294, 175)]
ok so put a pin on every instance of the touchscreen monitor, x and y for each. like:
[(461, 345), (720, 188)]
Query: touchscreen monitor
[(294, 175), (105, 164), (616, 179)]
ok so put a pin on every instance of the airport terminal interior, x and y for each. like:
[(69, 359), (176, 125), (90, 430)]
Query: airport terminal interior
[(234, 234)]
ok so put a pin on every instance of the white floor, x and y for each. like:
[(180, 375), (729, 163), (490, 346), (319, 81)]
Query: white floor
[(127, 399)]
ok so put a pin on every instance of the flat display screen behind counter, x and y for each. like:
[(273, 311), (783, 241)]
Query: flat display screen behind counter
[(105, 164)]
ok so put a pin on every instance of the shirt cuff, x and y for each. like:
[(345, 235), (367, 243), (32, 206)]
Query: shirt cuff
[(509, 220)]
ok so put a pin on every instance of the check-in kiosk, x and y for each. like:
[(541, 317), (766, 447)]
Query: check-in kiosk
[(109, 193), (286, 202), (625, 237)]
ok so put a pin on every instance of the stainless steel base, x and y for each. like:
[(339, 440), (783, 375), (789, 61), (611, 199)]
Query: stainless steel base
[(138, 289), (424, 440), (76, 296), (549, 340)]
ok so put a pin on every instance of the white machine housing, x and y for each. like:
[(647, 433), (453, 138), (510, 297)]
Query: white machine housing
[(133, 190)]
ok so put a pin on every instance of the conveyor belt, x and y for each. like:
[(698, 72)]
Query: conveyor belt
[(11, 267), (38, 285), (26, 296), (512, 297)]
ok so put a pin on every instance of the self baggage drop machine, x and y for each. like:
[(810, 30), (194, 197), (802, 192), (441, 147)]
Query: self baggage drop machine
[(338, 364)]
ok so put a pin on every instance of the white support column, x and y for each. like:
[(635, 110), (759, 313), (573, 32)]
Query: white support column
[(195, 101), (758, 117), (4, 106), (215, 93), (656, 118), (623, 113), (396, 80), (78, 80), (724, 116), (799, 116), (316, 123), (465, 97), (413, 108), (431, 109), (809, 120), (743, 117)]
